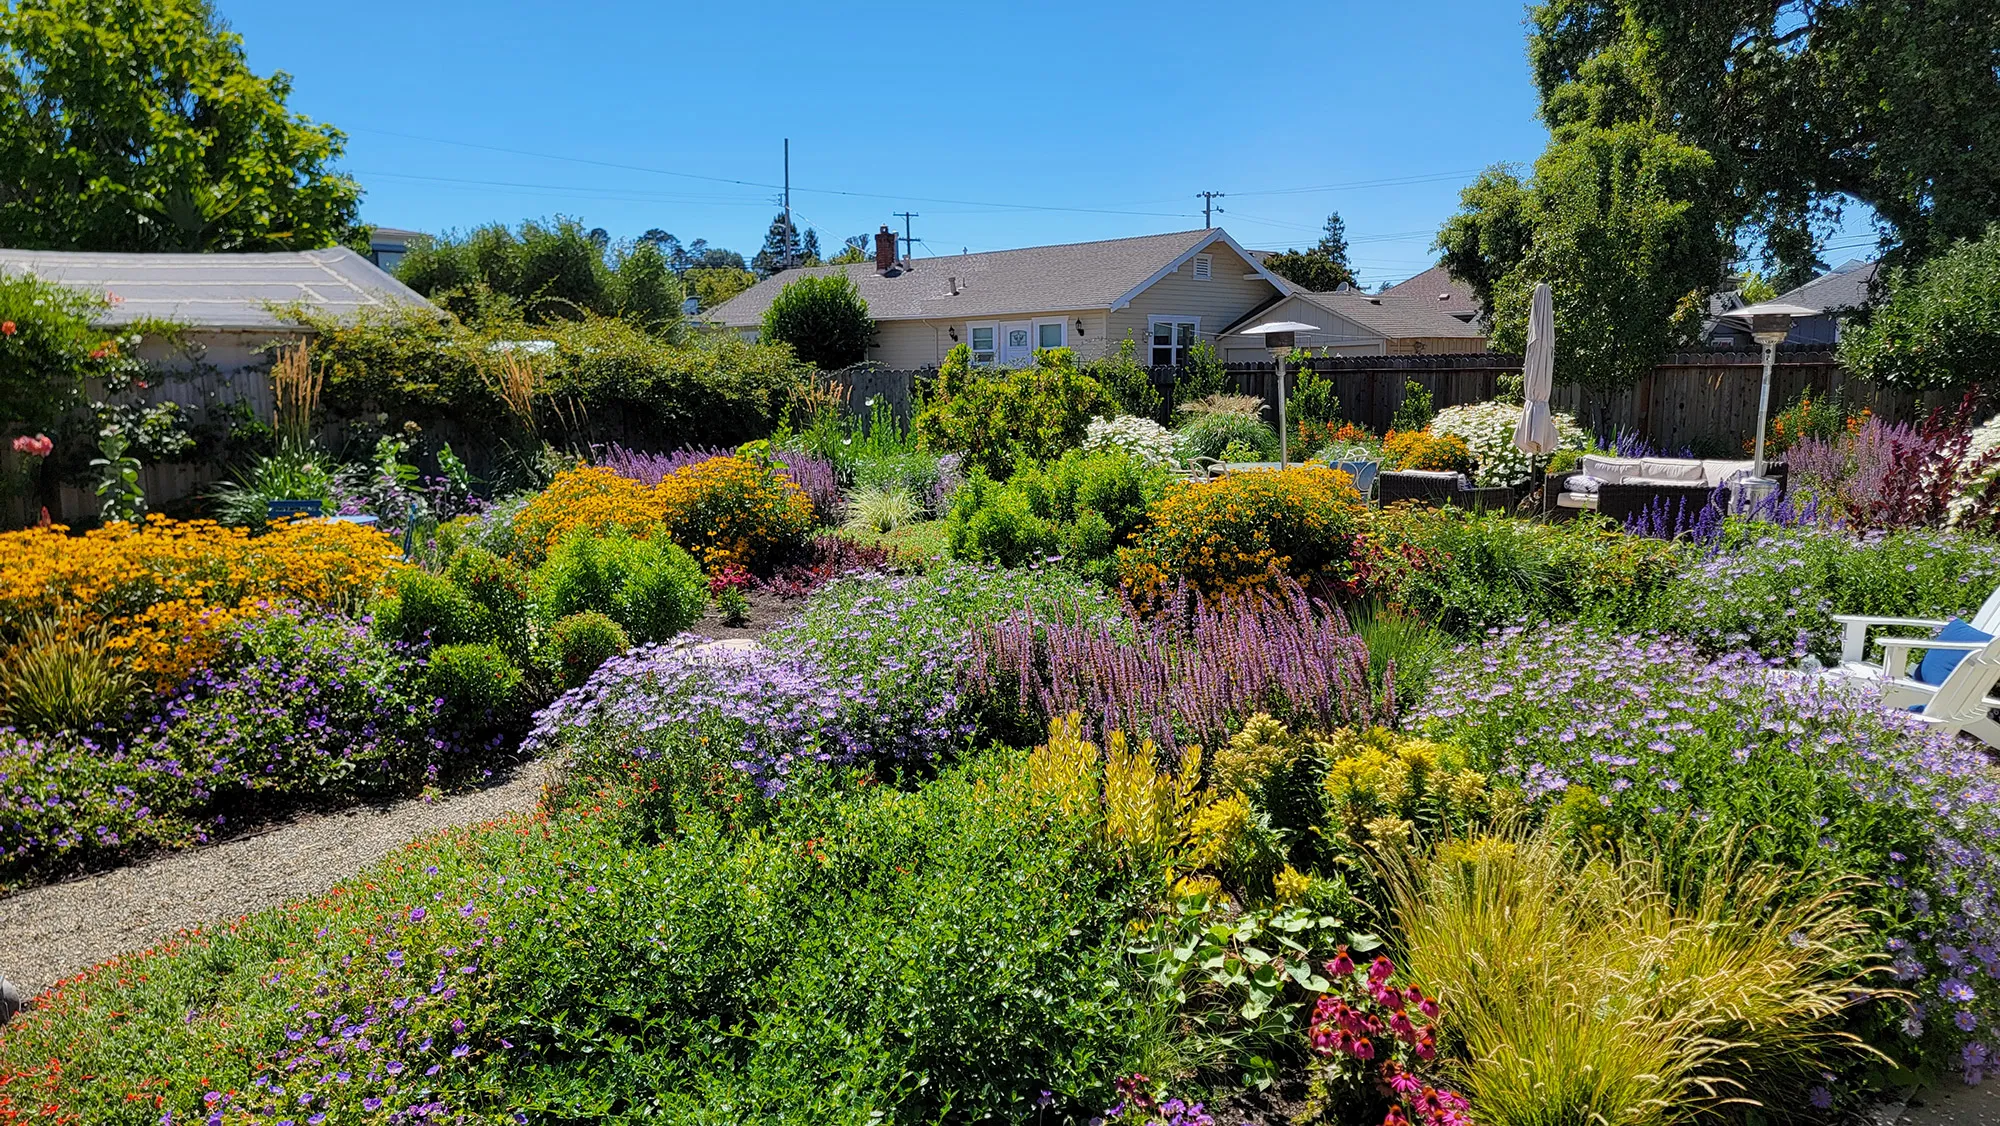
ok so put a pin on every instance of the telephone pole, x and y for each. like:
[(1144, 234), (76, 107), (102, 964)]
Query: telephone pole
[(788, 203), (909, 244), (1207, 205)]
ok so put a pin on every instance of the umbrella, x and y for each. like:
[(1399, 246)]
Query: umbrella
[(1536, 432)]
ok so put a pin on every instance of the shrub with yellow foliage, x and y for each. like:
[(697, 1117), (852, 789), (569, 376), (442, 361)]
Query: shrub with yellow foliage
[(1381, 788)]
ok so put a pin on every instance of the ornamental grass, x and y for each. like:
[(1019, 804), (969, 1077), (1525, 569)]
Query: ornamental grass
[(168, 591)]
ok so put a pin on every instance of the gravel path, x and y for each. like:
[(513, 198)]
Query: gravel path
[(48, 933)]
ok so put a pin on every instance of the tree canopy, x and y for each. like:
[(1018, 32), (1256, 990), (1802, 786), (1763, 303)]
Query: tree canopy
[(1320, 267), (1803, 105), (824, 318), (773, 257), (138, 125), (1940, 324), (544, 272)]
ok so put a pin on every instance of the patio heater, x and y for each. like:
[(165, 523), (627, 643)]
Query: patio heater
[(1770, 323), (1279, 339)]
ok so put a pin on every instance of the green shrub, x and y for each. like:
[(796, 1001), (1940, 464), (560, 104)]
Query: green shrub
[(1081, 507), (581, 642), (1939, 325), (1129, 382), (1415, 411), (652, 589), (289, 474), (422, 607), (499, 591), (1003, 419), (823, 318), (1211, 435), (480, 687)]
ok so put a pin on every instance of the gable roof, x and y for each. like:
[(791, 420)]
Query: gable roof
[(219, 290), (1037, 279), (1837, 290), (1436, 284), (1394, 318)]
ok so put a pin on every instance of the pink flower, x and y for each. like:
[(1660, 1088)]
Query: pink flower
[(1342, 965), (38, 446), (1380, 970)]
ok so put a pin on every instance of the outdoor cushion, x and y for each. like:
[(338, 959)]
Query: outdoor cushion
[(1584, 483), (1671, 482), (1677, 470), (1433, 474), (1576, 500), (1719, 472), (1938, 663), (1611, 469)]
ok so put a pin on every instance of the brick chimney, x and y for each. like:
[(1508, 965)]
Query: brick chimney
[(885, 250)]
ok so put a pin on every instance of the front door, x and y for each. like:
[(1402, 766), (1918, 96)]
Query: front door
[(1017, 344)]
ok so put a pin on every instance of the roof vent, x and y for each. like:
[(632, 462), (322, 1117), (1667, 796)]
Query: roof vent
[(954, 285), (1344, 287)]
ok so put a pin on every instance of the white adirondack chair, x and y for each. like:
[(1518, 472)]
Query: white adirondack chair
[(1855, 627), (1963, 703)]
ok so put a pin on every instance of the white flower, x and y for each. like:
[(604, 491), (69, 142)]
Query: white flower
[(1141, 437), (1985, 440), (1488, 430)]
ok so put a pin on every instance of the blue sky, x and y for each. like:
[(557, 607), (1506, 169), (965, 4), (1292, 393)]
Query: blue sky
[(1001, 126)]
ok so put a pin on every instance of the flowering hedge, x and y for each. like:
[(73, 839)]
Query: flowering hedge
[(1488, 432), (1642, 734), (171, 589), (1227, 537), (587, 496), (1422, 450), (735, 511), (1140, 437)]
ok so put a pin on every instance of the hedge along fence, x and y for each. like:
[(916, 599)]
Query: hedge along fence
[(1700, 401)]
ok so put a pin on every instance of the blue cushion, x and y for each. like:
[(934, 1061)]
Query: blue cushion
[(1938, 663)]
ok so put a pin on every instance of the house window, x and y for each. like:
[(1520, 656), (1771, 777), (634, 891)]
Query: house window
[(1051, 334), (1204, 266), (981, 339), (1171, 338)]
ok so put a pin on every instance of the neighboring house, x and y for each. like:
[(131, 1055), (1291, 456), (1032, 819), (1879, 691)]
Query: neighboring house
[(1353, 323), (223, 303), (1163, 291), (1836, 293), (1452, 297), (387, 245)]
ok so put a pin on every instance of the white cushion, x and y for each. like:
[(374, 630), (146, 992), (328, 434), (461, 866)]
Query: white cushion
[(1576, 500), (1433, 474), (1675, 482), (1584, 483), (1685, 471), (1719, 472), (1611, 469)]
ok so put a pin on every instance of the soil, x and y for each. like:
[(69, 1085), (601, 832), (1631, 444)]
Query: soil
[(767, 611)]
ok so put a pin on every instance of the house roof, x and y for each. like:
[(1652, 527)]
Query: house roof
[(1839, 289), (219, 290), (1392, 317), (1436, 284), (1036, 279)]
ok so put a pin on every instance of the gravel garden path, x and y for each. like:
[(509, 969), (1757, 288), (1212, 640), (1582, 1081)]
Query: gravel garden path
[(48, 933)]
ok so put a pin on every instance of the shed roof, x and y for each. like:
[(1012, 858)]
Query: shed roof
[(219, 290), (1836, 291), (1036, 279)]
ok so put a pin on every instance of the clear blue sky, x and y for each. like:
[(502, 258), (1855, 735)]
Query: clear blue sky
[(1000, 125)]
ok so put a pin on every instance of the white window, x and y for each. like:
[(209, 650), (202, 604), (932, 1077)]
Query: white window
[(1171, 338), (1051, 334), (1204, 266), (981, 337)]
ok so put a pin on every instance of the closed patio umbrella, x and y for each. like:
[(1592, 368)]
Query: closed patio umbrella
[(1536, 432)]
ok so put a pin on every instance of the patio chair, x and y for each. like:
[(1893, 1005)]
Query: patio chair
[(1963, 703), (1855, 627), (1425, 488)]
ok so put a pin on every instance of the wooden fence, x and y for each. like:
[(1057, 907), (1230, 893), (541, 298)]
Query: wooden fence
[(1699, 402)]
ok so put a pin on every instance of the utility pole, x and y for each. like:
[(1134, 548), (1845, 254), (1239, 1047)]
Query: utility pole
[(1207, 205), (909, 244), (788, 203)]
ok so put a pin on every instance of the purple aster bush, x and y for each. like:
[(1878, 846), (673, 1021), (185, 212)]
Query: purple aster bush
[(1774, 589), (1189, 676), (1642, 734), (69, 802), (304, 708)]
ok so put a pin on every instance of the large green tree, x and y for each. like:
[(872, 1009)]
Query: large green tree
[(1321, 267), (543, 272), (1621, 222), (1803, 104), (138, 125), (1940, 324)]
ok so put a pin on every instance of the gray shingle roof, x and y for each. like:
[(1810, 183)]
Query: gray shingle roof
[(1438, 286), (1398, 318), (1036, 279), (219, 290), (1836, 290)]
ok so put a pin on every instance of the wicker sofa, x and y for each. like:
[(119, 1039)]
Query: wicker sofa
[(1621, 488), (1440, 488)]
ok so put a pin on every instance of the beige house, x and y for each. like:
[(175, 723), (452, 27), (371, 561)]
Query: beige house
[(1353, 323), (1163, 291)]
